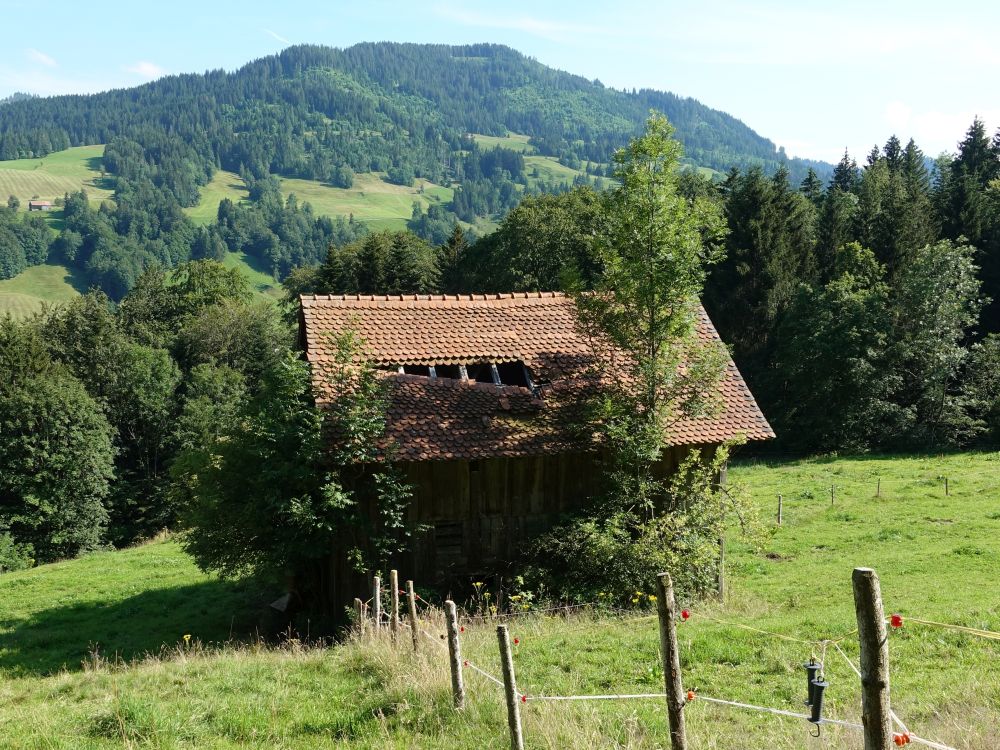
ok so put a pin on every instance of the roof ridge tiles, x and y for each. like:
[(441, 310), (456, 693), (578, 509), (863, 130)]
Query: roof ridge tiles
[(431, 298)]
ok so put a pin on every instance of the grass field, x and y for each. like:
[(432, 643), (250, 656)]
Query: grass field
[(223, 185), (938, 557), (512, 141), (260, 281), (28, 291), (379, 204), (55, 175)]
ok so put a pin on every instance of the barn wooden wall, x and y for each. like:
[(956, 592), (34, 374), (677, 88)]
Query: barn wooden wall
[(479, 514)]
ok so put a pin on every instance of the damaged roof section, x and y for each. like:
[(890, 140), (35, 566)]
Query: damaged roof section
[(533, 336)]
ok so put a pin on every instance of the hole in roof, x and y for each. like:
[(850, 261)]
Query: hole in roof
[(481, 372), (513, 373), (504, 373), (448, 371), (417, 370)]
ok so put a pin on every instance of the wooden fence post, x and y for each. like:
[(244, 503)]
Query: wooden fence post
[(874, 660), (722, 568), (510, 688), (878, 487), (667, 608), (359, 615), (454, 654), (779, 510), (946, 493), (377, 602), (394, 606), (411, 605), (833, 493)]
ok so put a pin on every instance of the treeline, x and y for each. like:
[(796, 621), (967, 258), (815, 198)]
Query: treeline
[(24, 241), (862, 314), (99, 404)]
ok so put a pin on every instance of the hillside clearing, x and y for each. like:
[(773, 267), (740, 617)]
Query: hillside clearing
[(371, 199), (53, 176), (938, 557), (512, 141), (223, 185), (29, 290), (260, 281)]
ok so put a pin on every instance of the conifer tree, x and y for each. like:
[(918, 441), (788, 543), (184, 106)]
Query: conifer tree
[(452, 258), (812, 188), (845, 174)]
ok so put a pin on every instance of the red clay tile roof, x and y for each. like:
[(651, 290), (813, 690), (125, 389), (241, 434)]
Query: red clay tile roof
[(441, 419)]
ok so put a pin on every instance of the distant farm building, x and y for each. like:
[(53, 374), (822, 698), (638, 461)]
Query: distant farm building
[(39, 205), (486, 394)]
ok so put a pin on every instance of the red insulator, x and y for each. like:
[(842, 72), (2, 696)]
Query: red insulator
[(461, 629), (685, 614), (691, 695), (896, 621), (465, 663), (524, 699), (517, 641)]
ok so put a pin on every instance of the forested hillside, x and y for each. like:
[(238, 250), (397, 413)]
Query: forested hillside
[(313, 110), (416, 116)]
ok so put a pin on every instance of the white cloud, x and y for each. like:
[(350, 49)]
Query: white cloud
[(40, 57), (276, 36), (146, 70)]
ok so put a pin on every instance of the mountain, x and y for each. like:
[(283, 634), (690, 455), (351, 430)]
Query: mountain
[(278, 157), (310, 110)]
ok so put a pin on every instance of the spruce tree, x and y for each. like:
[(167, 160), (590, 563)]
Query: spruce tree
[(452, 258), (845, 174), (812, 188)]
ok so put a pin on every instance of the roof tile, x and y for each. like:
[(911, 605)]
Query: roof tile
[(435, 419)]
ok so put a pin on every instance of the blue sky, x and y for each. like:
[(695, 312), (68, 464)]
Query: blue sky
[(813, 77)]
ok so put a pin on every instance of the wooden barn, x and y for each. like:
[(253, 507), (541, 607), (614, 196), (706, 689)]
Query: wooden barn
[(484, 390)]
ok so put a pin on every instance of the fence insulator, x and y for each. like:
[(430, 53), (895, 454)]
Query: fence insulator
[(517, 641), (691, 695), (818, 686), (896, 621), (901, 738), (685, 614), (812, 668)]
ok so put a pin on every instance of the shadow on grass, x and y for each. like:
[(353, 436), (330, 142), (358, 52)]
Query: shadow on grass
[(76, 279), (147, 623)]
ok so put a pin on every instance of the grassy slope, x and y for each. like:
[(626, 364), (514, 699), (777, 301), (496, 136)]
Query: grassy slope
[(28, 291), (378, 203), (260, 280), (938, 558), (512, 141), (548, 167), (223, 185), (55, 175), (49, 178)]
